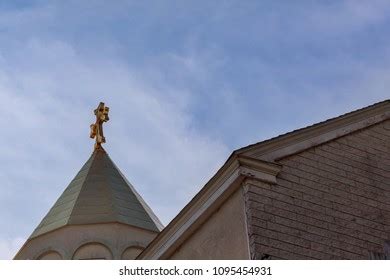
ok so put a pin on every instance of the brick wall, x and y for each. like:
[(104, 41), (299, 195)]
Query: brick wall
[(330, 202)]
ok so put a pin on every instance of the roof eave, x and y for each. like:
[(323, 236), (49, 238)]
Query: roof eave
[(304, 138)]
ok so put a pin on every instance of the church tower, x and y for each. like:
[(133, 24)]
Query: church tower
[(100, 215)]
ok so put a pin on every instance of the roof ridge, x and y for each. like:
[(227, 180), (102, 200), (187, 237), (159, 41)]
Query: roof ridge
[(143, 203), (42, 224), (92, 158)]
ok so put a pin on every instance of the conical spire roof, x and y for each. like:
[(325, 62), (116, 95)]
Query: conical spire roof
[(99, 194)]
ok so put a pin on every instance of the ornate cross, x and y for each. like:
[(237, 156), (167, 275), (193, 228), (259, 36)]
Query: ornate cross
[(101, 113)]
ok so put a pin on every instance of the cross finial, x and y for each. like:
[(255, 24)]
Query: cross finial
[(101, 113)]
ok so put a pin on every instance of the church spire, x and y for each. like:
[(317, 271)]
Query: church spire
[(101, 113), (99, 215)]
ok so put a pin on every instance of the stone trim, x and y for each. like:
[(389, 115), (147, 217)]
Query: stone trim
[(49, 249), (98, 242)]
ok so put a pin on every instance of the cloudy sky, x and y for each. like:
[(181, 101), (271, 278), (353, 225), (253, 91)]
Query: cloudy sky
[(187, 82)]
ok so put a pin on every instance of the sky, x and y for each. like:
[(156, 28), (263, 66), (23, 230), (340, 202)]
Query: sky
[(187, 82)]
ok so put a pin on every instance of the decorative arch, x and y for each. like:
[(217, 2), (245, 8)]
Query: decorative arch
[(131, 252), (50, 255), (92, 251)]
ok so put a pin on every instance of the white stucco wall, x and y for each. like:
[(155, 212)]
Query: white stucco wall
[(222, 236)]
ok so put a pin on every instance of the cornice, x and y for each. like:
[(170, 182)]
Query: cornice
[(258, 169)]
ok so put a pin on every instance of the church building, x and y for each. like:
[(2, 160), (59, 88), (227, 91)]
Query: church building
[(319, 192)]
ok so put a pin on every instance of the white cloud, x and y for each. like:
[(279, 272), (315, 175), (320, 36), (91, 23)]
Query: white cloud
[(49, 86), (49, 92), (9, 247)]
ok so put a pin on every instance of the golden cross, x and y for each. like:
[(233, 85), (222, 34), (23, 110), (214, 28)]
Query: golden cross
[(101, 113)]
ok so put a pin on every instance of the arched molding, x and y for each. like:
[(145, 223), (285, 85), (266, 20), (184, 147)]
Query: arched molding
[(133, 244), (93, 243), (105, 241), (48, 251), (136, 251)]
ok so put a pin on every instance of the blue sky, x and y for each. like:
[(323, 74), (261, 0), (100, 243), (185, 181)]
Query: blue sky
[(187, 82)]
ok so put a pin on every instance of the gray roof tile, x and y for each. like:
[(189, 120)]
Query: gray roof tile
[(99, 194)]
